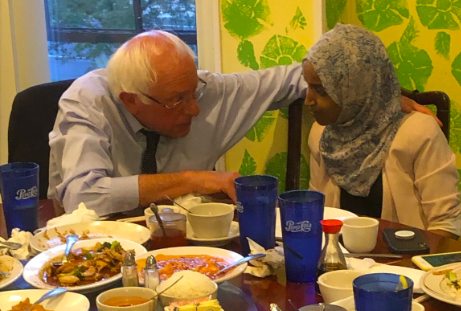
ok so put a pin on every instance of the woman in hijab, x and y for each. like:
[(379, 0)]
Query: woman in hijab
[(366, 155)]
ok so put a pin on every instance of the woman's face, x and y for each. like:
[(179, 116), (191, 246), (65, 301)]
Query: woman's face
[(324, 109)]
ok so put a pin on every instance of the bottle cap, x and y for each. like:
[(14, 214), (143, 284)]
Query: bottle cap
[(129, 259), (151, 263), (331, 225), (404, 234)]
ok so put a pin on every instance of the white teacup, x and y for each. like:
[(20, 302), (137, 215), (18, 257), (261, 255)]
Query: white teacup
[(360, 234), (211, 220), (337, 285)]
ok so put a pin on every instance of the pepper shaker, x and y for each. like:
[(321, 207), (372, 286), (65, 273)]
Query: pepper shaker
[(129, 271), (151, 274)]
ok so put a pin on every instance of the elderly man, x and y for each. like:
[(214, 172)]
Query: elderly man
[(151, 125), (151, 101)]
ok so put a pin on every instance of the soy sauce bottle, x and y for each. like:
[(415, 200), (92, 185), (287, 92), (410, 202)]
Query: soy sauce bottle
[(332, 257)]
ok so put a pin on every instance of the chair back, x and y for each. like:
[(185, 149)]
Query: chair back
[(439, 99), (31, 120)]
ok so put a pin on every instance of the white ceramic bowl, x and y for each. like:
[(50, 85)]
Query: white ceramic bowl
[(33, 269), (337, 285), (128, 291), (148, 212), (166, 299), (211, 220)]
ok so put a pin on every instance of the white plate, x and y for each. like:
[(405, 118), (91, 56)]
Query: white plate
[(229, 256), (349, 305), (433, 285), (97, 229), (64, 302), (414, 274), (329, 213), (13, 267), (233, 233), (33, 268)]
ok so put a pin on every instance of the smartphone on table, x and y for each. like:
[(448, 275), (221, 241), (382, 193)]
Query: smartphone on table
[(427, 262), (405, 241)]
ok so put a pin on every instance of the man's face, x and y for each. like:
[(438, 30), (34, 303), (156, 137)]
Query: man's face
[(324, 109), (175, 84)]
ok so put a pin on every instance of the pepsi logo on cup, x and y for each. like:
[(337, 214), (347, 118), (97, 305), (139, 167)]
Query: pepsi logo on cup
[(301, 226)]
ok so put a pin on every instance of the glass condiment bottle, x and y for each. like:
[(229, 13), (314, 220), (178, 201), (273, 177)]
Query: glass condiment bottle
[(129, 271), (332, 257), (151, 274)]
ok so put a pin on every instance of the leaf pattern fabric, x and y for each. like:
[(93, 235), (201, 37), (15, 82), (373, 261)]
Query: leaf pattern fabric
[(358, 75)]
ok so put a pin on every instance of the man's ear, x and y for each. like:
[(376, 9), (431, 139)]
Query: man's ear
[(130, 101)]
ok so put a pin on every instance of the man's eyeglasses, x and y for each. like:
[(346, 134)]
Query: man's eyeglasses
[(198, 94)]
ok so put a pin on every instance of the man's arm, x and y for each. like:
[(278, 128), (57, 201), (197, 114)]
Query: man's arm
[(156, 187)]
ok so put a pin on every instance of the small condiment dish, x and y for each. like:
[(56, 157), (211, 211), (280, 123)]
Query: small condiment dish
[(211, 220), (125, 292), (337, 285)]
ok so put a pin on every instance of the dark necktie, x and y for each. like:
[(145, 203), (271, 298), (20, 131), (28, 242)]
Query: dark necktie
[(149, 164)]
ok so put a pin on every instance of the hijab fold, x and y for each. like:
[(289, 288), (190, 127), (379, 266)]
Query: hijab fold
[(358, 75)]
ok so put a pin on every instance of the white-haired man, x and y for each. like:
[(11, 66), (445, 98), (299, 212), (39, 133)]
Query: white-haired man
[(151, 103)]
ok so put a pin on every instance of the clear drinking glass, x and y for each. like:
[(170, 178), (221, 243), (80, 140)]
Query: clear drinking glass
[(173, 232)]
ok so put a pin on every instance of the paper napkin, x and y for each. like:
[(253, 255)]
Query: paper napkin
[(80, 215), (265, 266)]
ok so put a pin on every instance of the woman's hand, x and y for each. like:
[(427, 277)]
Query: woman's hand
[(408, 105)]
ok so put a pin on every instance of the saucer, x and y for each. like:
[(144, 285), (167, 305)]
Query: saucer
[(233, 233)]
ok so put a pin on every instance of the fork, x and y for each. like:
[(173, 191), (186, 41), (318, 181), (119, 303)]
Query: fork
[(48, 295)]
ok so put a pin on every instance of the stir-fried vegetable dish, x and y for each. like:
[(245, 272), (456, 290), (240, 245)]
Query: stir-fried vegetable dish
[(85, 265)]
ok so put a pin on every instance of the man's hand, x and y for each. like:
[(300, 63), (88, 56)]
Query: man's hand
[(211, 182), (408, 105)]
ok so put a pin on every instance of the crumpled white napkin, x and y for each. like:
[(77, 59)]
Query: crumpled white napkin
[(190, 200), (265, 266), (360, 264), (80, 215), (22, 237)]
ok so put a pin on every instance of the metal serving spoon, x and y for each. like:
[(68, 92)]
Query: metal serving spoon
[(241, 261), (70, 241), (173, 201), (11, 245), (48, 295), (154, 208)]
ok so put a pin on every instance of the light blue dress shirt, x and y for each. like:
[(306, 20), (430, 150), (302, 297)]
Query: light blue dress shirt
[(96, 147)]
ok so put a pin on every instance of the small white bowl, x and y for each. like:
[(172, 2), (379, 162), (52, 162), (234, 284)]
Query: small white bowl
[(166, 299), (148, 212), (337, 285), (211, 220), (128, 291)]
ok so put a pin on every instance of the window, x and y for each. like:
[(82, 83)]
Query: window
[(83, 34)]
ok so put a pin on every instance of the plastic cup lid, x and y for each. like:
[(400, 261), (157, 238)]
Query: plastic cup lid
[(331, 225), (404, 234)]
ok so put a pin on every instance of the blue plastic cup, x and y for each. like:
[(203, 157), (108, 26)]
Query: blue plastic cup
[(19, 189), (378, 292), (256, 201), (301, 212)]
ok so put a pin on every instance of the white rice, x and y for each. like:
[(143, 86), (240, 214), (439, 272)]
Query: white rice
[(192, 285)]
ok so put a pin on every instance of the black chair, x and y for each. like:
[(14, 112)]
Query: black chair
[(31, 120), (439, 99)]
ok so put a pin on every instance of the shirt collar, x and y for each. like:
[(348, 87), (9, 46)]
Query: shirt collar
[(132, 122)]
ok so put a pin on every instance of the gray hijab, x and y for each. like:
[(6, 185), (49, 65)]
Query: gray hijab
[(358, 75)]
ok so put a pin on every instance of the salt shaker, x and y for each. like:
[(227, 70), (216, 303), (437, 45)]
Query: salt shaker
[(151, 275), (129, 271)]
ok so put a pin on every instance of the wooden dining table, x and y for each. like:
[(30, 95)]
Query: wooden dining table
[(274, 289)]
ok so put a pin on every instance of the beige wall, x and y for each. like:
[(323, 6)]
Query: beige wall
[(23, 56)]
